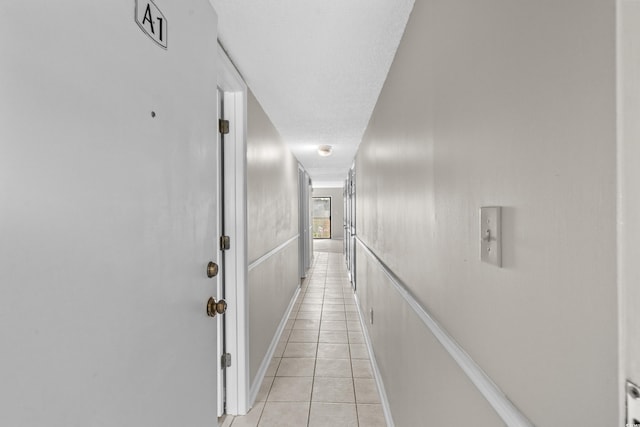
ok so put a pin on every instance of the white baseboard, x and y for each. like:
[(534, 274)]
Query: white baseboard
[(376, 372)]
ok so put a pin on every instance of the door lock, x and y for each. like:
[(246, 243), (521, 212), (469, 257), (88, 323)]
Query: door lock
[(212, 269), (216, 307)]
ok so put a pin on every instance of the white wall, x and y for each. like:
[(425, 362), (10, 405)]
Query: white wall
[(337, 209), (629, 187), (272, 216), (107, 216), (508, 104)]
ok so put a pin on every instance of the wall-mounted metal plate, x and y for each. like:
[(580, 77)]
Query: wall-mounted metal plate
[(633, 404), (491, 235)]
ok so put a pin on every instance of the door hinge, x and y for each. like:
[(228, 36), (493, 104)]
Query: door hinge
[(225, 243), (225, 360), (633, 404), (223, 126)]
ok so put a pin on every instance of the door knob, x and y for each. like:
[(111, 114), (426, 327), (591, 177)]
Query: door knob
[(212, 269), (216, 307)]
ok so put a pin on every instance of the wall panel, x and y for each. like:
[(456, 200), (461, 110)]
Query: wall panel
[(507, 104), (272, 216)]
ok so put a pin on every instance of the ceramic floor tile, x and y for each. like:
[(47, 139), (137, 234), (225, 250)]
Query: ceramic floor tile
[(290, 389), (306, 324), (311, 307), (273, 367), (333, 390), (319, 294), (354, 337), (333, 415), (285, 414), (264, 389), (366, 390), (335, 337), (333, 307), (354, 325), (371, 415), (279, 350), (309, 315), (333, 368), (300, 349), (252, 417), (296, 367), (333, 294), (303, 335), (361, 368), (359, 351), (324, 323), (333, 325), (334, 315), (333, 351), (352, 315), (289, 324), (333, 284), (285, 334)]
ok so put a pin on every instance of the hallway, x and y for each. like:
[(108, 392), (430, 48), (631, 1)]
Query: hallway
[(160, 164), (320, 374)]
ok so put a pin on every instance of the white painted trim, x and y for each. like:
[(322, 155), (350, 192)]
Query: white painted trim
[(509, 413), (621, 200), (386, 408), (262, 370), (236, 319), (272, 252)]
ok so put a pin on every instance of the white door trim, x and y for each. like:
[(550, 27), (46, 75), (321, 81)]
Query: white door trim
[(235, 165)]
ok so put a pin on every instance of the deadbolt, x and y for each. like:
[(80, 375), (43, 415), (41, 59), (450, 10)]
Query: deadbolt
[(214, 307), (212, 269)]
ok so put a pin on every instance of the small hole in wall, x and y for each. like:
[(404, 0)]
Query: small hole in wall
[(153, 114), (371, 316)]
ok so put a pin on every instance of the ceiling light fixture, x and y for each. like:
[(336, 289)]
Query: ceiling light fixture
[(325, 150)]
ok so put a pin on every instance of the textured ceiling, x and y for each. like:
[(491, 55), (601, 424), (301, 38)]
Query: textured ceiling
[(316, 67)]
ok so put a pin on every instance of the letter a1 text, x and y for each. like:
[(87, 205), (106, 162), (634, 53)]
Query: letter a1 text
[(151, 20)]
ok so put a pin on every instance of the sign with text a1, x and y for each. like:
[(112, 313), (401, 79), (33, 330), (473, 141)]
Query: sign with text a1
[(151, 20)]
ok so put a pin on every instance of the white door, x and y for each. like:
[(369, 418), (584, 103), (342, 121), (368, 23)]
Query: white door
[(108, 214)]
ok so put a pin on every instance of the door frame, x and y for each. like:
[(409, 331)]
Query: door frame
[(236, 326), (350, 192), (304, 222)]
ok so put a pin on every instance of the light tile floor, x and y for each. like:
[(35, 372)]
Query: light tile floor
[(320, 374)]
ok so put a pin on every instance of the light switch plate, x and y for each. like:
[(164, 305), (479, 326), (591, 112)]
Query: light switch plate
[(491, 235), (633, 404)]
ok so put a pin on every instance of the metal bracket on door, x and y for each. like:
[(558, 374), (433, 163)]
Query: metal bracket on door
[(223, 126), (225, 243), (633, 404), (225, 360)]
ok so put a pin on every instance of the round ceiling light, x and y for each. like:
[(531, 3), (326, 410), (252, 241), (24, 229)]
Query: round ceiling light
[(325, 150)]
